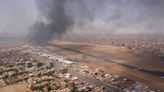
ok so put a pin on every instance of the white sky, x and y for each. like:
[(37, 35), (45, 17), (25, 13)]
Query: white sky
[(16, 16)]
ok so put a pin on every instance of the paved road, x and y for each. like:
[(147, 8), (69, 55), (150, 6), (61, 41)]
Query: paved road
[(90, 80), (96, 82)]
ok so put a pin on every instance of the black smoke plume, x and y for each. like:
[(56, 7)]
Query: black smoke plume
[(58, 17), (56, 22)]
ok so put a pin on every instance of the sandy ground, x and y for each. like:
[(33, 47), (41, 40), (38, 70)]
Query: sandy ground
[(119, 54), (102, 56), (15, 88)]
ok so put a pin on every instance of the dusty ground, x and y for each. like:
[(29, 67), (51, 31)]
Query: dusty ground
[(15, 88), (111, 59)]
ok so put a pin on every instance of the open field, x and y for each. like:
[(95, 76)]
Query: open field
[(89, 66), (152, 43), (15, 88), (135, 64), (44, 71)]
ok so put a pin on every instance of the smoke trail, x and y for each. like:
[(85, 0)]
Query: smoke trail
[(56, 21), (58, 17)]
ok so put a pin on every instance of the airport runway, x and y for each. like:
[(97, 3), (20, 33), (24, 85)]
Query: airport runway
[(136, 68)]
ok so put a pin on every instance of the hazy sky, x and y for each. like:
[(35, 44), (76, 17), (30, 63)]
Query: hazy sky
[(101, 16), (16, 15), (123, 16)]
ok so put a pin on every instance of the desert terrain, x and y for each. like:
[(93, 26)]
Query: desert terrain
[(63, 65), (135, 64)]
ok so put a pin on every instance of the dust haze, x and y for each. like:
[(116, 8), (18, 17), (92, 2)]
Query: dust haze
[(82, 45), (53, 18), (16, 16)]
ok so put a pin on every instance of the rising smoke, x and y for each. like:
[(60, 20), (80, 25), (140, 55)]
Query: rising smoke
[(56, 20), (58, 17)]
